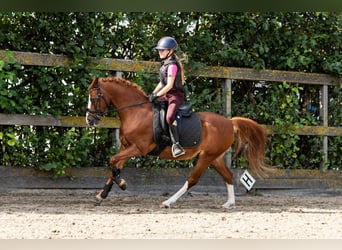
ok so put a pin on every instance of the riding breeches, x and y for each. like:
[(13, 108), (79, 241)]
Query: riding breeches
[(174, 100)]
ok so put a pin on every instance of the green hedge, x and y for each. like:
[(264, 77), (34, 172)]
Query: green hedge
[(306, 42)]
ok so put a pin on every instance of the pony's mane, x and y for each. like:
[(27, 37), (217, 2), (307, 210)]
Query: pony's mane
[(122, 81)]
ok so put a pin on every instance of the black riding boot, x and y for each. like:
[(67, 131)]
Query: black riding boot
[(176, 149)]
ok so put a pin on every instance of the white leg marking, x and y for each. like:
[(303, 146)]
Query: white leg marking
[(89, 106), (176, 196), (231, 197)]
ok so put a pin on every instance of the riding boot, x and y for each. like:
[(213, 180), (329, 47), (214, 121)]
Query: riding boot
[(176, 149)]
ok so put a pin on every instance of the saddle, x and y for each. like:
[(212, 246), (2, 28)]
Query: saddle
[(188, 125)]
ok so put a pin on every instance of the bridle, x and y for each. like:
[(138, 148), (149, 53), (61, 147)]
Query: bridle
[(96, 112)]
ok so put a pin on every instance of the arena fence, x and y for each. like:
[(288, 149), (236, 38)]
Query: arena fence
[(227, 74)]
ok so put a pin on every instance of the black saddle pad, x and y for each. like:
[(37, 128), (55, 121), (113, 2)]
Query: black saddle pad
[(189, 128)]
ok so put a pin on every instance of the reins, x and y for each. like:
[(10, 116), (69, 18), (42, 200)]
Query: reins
[(132, 105)]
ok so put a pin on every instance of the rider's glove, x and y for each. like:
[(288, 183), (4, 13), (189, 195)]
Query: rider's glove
[(152, 97)]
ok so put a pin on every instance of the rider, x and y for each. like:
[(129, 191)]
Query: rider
[(170, 87)]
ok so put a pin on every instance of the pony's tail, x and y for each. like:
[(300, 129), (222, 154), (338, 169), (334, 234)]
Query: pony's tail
[(252, 137)]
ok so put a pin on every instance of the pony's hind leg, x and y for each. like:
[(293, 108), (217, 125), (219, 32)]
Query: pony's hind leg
[(176, 196), (201, 165), (223, 170)]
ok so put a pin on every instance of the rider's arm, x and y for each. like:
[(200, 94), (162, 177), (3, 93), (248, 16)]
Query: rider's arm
[(158, 88)]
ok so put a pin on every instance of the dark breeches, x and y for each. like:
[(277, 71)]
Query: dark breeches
[(174, 100)]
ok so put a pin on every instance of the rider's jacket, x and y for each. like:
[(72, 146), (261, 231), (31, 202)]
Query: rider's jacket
[(163, 73)]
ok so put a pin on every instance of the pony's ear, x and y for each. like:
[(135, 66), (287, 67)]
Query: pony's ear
[(94, 82)]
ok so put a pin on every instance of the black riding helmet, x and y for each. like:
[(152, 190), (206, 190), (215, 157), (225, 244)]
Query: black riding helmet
[(167, 43)]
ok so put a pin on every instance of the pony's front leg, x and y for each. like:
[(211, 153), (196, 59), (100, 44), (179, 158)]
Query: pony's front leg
[(117, 162), (115, 177), (104, 191)]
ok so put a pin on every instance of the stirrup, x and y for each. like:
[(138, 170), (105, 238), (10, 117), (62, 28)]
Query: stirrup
[(177, 150)]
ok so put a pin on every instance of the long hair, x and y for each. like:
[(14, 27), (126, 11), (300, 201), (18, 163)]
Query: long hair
[(181, 67)]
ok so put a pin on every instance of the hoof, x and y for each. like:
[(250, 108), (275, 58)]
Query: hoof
[(98, 200), (228, 205), (165, 205), (122, 184)]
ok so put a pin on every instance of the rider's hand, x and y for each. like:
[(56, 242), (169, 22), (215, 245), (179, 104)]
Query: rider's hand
[(152, 97)]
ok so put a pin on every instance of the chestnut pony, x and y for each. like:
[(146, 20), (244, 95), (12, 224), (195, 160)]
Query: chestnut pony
[(136, 136)]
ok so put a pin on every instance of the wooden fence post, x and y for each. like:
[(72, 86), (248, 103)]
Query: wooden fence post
[(228, 113), (117, 130), (324, 115)]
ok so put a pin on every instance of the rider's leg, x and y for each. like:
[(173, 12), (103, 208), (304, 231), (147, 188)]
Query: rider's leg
[(177, 149)]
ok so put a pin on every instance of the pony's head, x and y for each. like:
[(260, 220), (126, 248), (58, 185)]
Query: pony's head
[(97, 104)]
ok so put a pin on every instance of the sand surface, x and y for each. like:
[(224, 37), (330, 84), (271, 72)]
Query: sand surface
[(71, 214)]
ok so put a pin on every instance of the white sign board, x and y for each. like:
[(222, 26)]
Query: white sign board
[(247, 180)]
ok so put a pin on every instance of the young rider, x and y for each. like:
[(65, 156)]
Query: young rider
[(170, 87)]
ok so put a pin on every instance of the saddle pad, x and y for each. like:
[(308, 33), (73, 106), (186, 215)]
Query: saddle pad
[(189, 130)]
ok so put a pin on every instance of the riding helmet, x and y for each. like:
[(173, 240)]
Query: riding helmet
[(167, 42)]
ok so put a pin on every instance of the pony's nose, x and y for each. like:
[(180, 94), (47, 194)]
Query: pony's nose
[(89, 120)]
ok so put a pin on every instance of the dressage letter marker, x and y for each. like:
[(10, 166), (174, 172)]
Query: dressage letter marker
[(247, 180)]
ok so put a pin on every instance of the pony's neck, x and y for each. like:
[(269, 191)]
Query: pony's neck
[(123, 95), (122, 92)]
